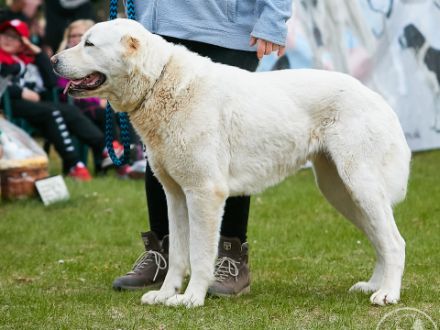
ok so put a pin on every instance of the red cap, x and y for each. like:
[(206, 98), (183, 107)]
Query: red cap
[(19, 26)]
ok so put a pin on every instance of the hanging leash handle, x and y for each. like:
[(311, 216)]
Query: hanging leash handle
[(124, 122)]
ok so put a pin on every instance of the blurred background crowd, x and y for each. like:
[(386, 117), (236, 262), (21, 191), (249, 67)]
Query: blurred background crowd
[(30, 32)]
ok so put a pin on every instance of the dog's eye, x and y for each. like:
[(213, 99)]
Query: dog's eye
[(88, 44)]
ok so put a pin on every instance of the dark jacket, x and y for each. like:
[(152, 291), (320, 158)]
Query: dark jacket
[(18, 81)]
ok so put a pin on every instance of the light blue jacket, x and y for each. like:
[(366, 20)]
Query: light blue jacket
[(225, 23)]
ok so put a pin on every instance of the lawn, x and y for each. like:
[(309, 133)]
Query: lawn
[(57, 263)]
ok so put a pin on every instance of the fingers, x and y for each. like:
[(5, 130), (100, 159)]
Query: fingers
[(261, 48), (266, 47), (269, 48)]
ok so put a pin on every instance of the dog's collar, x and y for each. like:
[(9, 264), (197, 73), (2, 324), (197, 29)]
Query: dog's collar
[(151, 90)]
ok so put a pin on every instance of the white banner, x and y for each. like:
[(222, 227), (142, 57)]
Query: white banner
[(393, 46)]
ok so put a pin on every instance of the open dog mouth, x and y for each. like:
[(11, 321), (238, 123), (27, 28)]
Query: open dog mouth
[(88, 83)]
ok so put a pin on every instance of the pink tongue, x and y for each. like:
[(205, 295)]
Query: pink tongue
[(67, 87), (90, 79)]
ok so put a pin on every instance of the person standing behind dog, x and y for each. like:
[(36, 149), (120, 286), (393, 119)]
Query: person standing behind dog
[(236, 33)]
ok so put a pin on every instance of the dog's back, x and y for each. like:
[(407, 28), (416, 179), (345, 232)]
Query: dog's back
[(294, 114)]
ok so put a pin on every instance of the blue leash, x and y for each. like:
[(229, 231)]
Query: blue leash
[(123, 117)]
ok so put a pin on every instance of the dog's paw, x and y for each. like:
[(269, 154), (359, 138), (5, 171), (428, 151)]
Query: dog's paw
[(364, 287), (156, 297), (188, 301), (384, 297)]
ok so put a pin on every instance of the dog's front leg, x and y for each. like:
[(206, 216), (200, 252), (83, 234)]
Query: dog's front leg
[(205, 208), (178, 250)]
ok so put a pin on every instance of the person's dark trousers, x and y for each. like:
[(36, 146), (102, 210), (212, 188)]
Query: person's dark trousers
[(235, 218), (84, 130), (58, 18), (58, 123)]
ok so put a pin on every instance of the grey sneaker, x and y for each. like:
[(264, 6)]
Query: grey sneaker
[(150, 268), (232, 275)]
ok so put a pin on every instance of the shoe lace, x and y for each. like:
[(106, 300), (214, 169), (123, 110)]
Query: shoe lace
[(146, 258), (226, 267)]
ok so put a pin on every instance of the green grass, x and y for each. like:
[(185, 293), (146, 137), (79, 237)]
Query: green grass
[(304, 257)]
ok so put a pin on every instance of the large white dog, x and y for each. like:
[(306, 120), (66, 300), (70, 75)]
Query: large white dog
[(213, 131)]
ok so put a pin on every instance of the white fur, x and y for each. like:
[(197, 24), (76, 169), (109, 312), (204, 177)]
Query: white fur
[(213, 131)]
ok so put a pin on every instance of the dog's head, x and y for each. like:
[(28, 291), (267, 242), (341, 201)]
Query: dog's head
[(118, 60), (411, 37)]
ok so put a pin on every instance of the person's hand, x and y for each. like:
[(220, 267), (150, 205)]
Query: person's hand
[(34, 49), (265, 47), (30, 95)]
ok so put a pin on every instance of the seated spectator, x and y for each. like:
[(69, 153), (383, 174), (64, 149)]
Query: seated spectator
[(28, 11), (34, 80)]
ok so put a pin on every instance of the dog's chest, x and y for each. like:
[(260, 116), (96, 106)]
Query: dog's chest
[(161, 129), (155, 122)]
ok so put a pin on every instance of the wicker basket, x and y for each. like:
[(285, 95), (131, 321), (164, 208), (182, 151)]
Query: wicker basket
[(19, 182)]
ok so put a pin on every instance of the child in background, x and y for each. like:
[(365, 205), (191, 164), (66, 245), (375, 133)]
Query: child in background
[(27, 90)]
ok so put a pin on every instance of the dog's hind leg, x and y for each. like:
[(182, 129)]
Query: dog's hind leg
[(335, 191), (205, 208), (358, 195), (178, 250)]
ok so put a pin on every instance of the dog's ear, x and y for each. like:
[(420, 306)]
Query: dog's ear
[(131, 44)]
